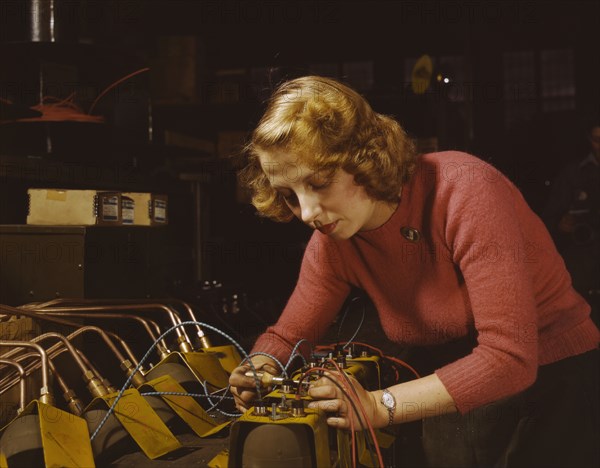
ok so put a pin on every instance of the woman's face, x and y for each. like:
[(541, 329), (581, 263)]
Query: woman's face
[(330, 202)]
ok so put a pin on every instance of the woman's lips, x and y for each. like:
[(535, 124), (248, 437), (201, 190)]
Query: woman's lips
[(326, 228)]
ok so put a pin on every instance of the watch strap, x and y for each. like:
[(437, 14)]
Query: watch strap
[(391, 409)]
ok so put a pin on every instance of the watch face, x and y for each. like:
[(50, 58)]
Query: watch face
[(388, 400)]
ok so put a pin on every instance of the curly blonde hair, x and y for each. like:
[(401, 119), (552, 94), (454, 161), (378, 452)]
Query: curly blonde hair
[(328, 126)]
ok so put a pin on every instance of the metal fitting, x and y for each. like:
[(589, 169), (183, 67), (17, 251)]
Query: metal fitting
[(94, 384), (137, 379), (184, 345)]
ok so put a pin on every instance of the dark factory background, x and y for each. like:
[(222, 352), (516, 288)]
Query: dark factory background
[(513, 82), (159, 96)]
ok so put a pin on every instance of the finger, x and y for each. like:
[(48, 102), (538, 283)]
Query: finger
[(239, 379), (245, 395), (323, 391), (270, 369), (329, 406), (338, 422), (240, 406), (237, 376)]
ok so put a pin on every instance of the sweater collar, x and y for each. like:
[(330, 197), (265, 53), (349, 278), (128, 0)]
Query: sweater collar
[(394, 221)]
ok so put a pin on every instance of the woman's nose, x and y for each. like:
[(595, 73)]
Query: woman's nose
[(310, 208)]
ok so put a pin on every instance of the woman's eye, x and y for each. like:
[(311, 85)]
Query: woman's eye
[(319, 186)]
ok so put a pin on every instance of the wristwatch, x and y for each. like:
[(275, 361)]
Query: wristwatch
[(388, 400)]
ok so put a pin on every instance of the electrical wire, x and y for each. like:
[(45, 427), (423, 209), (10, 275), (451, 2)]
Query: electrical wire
[(116, 83), (60, 110), (294, 352), (221, 398), (362, 409), (339, 386), (344, 315), (370, 438), (54, 109), (347, 387), (277, 361), (391, 358), (170, 330), (351, 398), (379, 352), (362, 319), (194, 395)]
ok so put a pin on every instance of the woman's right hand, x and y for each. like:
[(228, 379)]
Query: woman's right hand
[(243, 388)]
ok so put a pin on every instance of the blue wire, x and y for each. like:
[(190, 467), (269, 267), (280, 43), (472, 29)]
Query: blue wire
[(198, 395), (195, 395), (221, 398), (295, 353), (277, 361), (170, 330)]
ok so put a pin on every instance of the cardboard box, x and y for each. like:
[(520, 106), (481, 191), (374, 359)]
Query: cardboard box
[(57, 207), (149, 209)]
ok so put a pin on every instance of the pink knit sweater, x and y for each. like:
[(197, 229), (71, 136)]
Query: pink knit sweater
[(484, 264)]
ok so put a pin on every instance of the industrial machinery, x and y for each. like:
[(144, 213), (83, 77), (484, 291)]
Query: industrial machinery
[(125, 394), (299, 436), (144, 415)]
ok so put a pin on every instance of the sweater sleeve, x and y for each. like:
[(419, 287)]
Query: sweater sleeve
[(484, 229), (314, 303)]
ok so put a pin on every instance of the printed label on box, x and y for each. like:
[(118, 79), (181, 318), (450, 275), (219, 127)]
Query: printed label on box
[(110, 208), (127, 210), (160, 211)]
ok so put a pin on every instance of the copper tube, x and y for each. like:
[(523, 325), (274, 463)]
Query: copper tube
[(67, 344), (204, 341), (94, 383), (45, 305), (26, 313), (124, 304), (74, 403), (80, 330), (6, 383), (175, 320), (126, 365), (45, 393), (61, 382), (55, 350), (96, 372), (22, 376), (144, 322)]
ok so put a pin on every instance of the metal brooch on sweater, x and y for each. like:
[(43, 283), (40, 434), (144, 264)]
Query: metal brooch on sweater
[(410, 233)]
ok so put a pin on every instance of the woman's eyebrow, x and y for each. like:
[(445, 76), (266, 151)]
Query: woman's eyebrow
[(295, 179)]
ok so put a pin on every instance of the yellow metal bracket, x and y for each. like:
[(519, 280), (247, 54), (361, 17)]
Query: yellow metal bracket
[(221, 460), (186, 407), (65, 437), (228, 355), (207, 366), (140, 421)]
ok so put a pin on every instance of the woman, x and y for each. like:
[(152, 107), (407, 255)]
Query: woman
[(449, 252)]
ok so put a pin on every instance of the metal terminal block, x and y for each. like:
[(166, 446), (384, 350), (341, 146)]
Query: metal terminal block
[(298, 408), (260, 408)]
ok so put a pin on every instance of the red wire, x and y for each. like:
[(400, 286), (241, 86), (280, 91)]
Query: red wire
[(351, 418), (66, 110), (351, 393), (118, 82), (391, 358), (362, 410)]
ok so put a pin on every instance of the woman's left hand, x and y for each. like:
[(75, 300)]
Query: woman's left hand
[(332, 399)]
